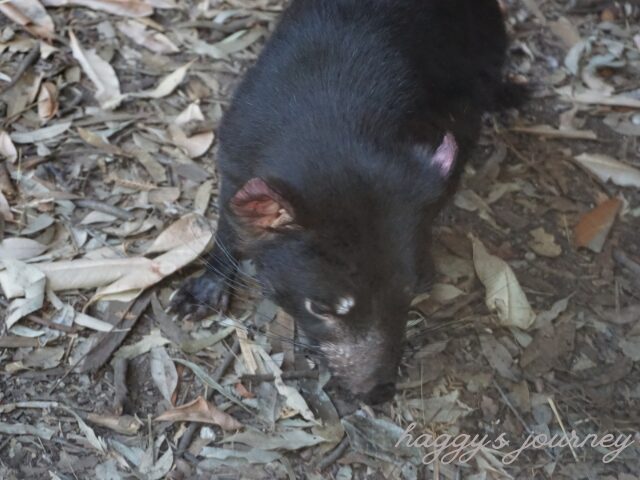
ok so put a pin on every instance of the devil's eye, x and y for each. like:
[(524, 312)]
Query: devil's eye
[(327, 312), (319, 309)]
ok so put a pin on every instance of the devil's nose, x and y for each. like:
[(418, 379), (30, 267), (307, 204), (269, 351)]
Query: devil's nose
[(379, 394)]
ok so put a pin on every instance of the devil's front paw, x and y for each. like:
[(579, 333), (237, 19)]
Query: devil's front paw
[(201, 296)]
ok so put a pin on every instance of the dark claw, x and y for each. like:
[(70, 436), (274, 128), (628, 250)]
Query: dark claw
[(201, 297)]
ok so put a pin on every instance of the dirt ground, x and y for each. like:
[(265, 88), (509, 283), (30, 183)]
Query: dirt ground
[(529, 341)]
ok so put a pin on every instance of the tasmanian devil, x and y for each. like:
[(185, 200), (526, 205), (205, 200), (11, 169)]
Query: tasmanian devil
[(335, 156)]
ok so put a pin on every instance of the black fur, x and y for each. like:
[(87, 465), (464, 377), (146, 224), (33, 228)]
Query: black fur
[(340, 116)]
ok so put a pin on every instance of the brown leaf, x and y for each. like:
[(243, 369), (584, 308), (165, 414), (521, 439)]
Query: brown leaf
[(31, 15), (47, 101), (200, 411), (242, 391), (594, 227)]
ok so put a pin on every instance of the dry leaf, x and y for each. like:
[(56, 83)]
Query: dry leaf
[(594, 227), (128, 277), (148, 343), (164, 373), (191, 113), (544, 244), (167, 85), (31, 15), (154, 41), (607, 168), (99, 142), (99, 72), (565, 31), (5, 208), (47, 101), (125, 8), (16, 248), (200, 411), (235, 42), (21, 280), (293, 398), (503, 292), (549, 131), (196, 145), (42, 134), (593, 97), (173, 236), (7, 148), (125, 424)]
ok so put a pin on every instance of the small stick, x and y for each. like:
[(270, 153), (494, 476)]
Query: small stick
[(119, 380), (28, 60), (105, 208), (230, 356), (267, 377), (335, 455)]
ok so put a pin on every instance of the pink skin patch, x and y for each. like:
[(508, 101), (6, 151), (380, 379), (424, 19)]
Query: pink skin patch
[(445, 156)]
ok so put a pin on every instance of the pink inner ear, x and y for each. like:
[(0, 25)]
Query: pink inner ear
[(445, 156), (259, 206)]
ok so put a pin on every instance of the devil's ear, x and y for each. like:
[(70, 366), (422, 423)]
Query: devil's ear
[(443, 160), (260, 207)]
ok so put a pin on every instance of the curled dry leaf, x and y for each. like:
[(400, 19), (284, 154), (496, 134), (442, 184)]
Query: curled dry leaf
[(196, 145), (7, 148), (503, 291), (47, 101), (200, 411), (124, 8), (607, 168), (99, 72), (125, 424), (31, 15), (594, 227), (154, 41)]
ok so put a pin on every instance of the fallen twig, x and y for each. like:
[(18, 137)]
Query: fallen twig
[(105, 208), (120, 385), (267, 377)]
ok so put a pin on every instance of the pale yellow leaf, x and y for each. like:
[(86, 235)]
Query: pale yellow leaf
[(504, 295)]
